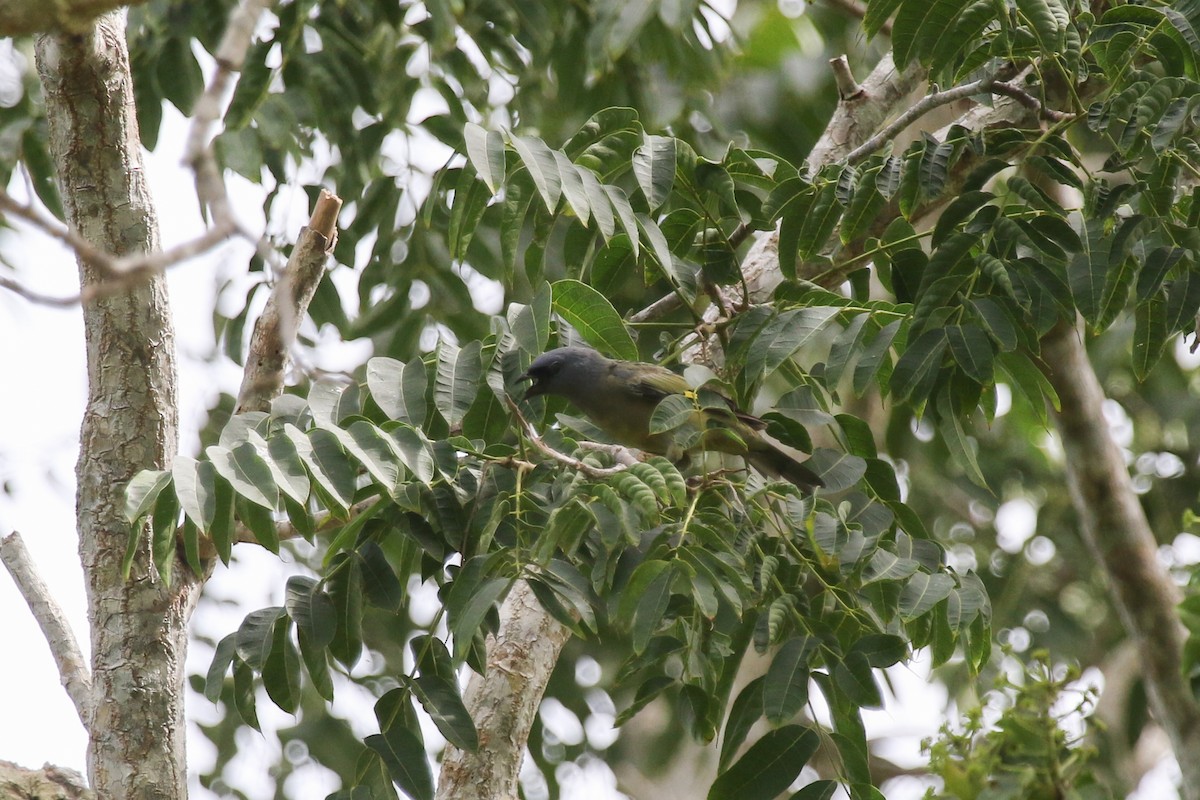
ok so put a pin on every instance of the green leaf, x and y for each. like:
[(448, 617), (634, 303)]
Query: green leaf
[(1149, 334), (373, 449), (459, 371), (763, 346), (881, 649), (404, 755), (398, 388), (345, 592), (591, 313), (287, 468), (243, 693), (1041, 16), (769, 766), (281, 671), (164, 524), (853, 676), (382, 587), (325, 461), (620, 205), (539, 160), (143, 491), (598, 202), (673, 411), (785, 691), (922, 592), (311, 609), (42, 173), (214, 679), (486, 150), (440, 698), (746, 710), (654, 168), (817, 790), (572, 186), (644, 601), (255, 635), (316, 664), (658, 247), (917, 368), (887, 566), (972, 351), (195, 487), (247, 472), (468, 606)]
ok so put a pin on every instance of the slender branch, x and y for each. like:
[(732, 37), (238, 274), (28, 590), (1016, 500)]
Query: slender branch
[(1029, 101), (563, 458), (120, 272), (19, 289), (659, 308), (72, 668), (915, 112), (198, 153)]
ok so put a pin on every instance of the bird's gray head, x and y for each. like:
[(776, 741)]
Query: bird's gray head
[(566, 371)]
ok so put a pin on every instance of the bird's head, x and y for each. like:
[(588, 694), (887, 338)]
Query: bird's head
[(567, 371)]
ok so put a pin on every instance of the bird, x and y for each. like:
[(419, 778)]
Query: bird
[(621, 396)]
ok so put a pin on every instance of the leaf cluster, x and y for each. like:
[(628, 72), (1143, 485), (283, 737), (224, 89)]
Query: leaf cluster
[(418, 473)]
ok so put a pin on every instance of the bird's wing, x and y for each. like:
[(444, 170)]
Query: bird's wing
[(650, 380)]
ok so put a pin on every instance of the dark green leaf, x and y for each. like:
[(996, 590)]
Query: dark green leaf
[(768, 766), (785, 691), (281, 671), (404, 755)]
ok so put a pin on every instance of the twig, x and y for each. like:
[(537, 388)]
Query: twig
[(659, 308), (1029, 101), (120, 271), (563, 458), (20, 290), (915, 112), (72, 668)]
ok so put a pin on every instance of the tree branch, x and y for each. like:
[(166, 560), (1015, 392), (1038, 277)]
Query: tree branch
[(120, 272), (72, 668), (275, 329), (1115, 529)]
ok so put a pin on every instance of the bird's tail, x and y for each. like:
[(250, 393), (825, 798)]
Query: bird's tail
[(771, 460)]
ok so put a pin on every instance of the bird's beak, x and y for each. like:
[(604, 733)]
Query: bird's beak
[(535, 388)]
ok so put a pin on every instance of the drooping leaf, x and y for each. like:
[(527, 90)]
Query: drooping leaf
[(768, 766)]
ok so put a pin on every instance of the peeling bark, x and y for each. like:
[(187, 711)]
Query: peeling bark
[(138, 626)]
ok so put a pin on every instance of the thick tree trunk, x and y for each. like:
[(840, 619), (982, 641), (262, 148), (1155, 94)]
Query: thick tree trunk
[(138, 626), (504, 702)]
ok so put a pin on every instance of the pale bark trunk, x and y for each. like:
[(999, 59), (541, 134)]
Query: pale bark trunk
[(1115, 529), (138, 626), (504, 702)]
